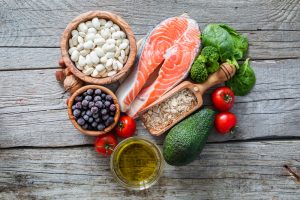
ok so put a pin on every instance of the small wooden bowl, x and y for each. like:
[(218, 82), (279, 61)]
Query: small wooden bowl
[(73, 120), (64, 44)]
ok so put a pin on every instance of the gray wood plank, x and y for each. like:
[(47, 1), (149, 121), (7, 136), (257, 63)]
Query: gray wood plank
[(263, 45), (248, 170), (41, 23), (33, 110)]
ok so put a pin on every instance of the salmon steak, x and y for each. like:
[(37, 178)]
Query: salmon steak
[(169, 50)]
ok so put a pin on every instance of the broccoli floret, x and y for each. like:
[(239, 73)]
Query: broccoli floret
[(210, 53), (198, 72), (212, 67)]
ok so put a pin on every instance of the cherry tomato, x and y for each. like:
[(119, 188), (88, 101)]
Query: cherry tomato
[(126, 126), (225, 122), (105, 144), (223, 98)]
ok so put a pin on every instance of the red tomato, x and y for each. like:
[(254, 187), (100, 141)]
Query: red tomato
[(105, 144), (125, 127), (223, 98), (225, 122)]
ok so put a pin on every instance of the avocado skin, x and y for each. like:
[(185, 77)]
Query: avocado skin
[(186, 140)]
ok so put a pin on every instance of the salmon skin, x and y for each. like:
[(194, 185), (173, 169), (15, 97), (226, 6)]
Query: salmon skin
[(170, 48)]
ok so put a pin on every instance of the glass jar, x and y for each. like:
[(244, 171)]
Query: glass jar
[(136, 163)]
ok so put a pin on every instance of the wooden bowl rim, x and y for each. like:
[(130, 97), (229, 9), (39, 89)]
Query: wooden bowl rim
[(64, 44), (90, 132)]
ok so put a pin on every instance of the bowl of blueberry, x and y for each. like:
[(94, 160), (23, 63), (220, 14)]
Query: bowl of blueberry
[(94, 110)]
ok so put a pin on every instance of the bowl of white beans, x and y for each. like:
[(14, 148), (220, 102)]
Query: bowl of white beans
[(98, 47)]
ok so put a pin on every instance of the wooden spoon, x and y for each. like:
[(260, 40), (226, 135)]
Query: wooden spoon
[(225, 72)]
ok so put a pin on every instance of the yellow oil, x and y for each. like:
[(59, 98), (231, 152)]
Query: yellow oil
[(136, 162)]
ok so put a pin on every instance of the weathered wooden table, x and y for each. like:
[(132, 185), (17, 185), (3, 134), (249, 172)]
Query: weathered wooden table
[(43, 157)]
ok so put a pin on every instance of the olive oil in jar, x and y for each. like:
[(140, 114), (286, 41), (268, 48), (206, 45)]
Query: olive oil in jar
[(136, 163)]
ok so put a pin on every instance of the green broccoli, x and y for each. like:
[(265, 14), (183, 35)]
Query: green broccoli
[(212, 67), (198, 72), (210, 53)]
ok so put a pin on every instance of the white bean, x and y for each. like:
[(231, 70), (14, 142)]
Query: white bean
[(95, 59), (92, 30), (116, 35), (75, 56), (82, 27), (118, 52), (118, 42), (81, 61), (115, 65), (112, 30), (125, 59), (74, 32), (105, 33), (123, 54), (88, 60), (96, 23), (99, 51), (84, 52), (99, 41), (103, 59), (122, 34), (80, 47), (127, 50), (105, 47), (88, 45), (88, 71), (109, 63), (98, 35), (71, 50), (95, 73), (100, 67), (111, 47), (108, 69), (110, 54), (116, 27), (123, 46), (78, 66), (80, 39), (125, 41), (121, 59), (89, 24), (71, 43), (120, 65), (89, 36), (74, 40), (111, 41), (102, 72), (108, 24), (102, 22), (82, 34), (111, 73)]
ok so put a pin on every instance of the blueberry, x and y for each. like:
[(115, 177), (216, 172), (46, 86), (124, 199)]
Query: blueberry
[(78, 105), (84, 94), (85, 117), (97, 120), (98, 92), (107, 104), (94, 124), (99, 104), (88, 98), (91, 120), (103, 111), (97, 98), (85, 126), (112, 107), (105, 117), (101, 127), (107, 123), (95, 115), (82, 113), (90, 91), (85, 103), (94, 109), (81, 121), (91, 104), (76, 113), (73, 107), (108, 97), (103, 96), (78, 98), (89, 113)]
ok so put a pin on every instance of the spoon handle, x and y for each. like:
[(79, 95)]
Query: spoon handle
[(225, 72)]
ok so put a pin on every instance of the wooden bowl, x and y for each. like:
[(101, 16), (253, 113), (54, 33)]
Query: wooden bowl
[(90, 132), (64, 44)]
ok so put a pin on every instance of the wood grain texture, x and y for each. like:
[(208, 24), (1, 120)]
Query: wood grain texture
[(39, 117), (249, 170)]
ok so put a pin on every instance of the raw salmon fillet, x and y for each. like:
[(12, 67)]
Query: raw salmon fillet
[(172, 46)]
